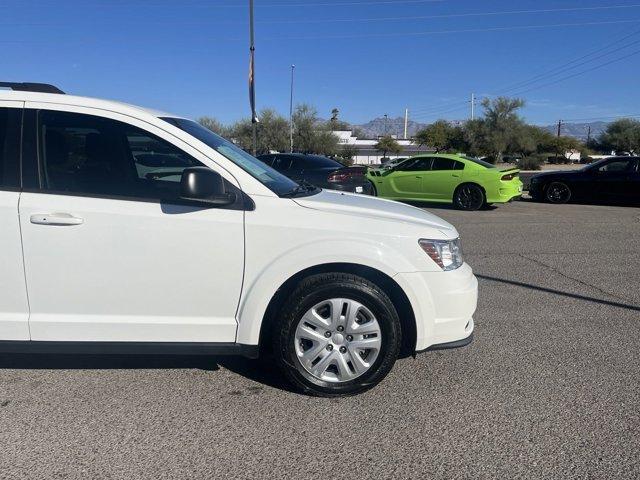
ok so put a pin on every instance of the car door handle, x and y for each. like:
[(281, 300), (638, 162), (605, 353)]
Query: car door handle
[(56, 219), (454, 175)]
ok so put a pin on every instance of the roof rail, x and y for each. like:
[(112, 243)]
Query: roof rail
[(31, 87)]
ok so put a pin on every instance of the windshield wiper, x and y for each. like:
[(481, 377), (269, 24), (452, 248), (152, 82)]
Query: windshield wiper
[(303, 188)]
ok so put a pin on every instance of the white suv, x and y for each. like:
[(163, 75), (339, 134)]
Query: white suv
[(128, 230)]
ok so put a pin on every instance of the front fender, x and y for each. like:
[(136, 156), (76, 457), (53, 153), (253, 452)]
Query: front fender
[(261, 284)]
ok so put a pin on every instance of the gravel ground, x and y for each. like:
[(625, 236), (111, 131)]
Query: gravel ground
[(550, 387)]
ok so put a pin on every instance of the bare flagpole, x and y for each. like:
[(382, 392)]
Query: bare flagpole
[(252, 87)]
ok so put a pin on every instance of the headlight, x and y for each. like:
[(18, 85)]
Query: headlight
[(446, 253)]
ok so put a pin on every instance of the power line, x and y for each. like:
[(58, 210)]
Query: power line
[(372, 19), (586, 119), (455, 15), (466, 30), (243, 5), (596, 67), (436, 108), (573, 63), (348, 4), (431, 115)]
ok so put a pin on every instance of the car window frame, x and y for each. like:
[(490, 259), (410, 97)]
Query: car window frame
[(433, 160), (12, 182), (32, 166)]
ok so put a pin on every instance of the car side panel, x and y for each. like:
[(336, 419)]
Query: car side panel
[(14, 306), (440, 184), (406, 184)]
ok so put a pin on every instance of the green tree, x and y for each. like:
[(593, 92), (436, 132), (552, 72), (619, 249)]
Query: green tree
[(335, 123), (214, 125), (442, 136), (346, 154), (272, 133), (475, 138), (622, 136), (388, 144), (310, 135), (501, 124)]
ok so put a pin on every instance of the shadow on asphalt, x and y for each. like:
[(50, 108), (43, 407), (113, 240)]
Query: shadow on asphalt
[(560, 292), (441, 206), (260, 370)]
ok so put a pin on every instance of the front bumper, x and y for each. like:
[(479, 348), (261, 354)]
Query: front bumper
[(443, 304)]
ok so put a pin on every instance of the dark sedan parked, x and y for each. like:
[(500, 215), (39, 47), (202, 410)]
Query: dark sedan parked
[(611, 180), (320, 171)]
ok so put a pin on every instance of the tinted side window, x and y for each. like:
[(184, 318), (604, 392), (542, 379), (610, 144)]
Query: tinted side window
[(91, 155), (9, 146), (415, 165), (617, 166), (281, 163), (446, 164)]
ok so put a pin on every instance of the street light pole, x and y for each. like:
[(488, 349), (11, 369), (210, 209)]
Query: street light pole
[(473, 106), (252, 89), (291, 112)]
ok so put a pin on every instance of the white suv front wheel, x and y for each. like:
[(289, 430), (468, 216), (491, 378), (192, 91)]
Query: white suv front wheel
[(338, 334)]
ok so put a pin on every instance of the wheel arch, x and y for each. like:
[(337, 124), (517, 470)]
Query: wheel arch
[(469, 182), (397, 295)]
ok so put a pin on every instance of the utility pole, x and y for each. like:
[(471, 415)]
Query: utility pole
[(252, 88), (588, 134), (291, 112), (406, 121), (386, 124), (473, 106), (559, 127)]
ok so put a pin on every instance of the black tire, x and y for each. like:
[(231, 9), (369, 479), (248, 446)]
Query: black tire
[(318, 288), (374, 190), (469, 196), (557, 192)]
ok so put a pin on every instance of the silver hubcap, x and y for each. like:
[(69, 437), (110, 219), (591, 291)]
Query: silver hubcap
[(338, 340)]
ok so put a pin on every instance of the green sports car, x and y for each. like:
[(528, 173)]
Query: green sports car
[(466, 182)]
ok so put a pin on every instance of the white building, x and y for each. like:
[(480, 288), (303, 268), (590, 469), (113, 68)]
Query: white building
[(366, 148)]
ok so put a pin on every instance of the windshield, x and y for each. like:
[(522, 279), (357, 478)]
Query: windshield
[(479, 162), (273, 180)]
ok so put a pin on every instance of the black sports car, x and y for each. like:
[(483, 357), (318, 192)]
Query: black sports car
[(320, 171), (610, 180)]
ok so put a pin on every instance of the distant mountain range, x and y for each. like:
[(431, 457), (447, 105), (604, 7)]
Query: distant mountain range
[(395, 126), (579, 130)]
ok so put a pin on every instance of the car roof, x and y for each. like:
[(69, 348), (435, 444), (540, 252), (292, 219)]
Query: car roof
[(74, 100)]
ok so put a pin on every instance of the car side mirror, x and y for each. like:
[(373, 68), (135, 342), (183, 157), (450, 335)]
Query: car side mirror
[(201, 184)]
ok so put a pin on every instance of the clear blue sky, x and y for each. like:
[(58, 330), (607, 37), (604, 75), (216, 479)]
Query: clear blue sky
[(366, 58)]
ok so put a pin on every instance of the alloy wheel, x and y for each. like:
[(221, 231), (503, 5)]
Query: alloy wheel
[(469, 197), (338, 340), (558, 192)]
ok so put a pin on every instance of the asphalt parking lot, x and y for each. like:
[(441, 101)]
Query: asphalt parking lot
[(550, 387)]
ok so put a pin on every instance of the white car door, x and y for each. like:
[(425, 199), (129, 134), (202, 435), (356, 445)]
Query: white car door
[(111, 253), (14, 308)]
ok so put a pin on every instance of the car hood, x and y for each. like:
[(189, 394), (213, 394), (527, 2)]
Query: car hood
[(375, 208)]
